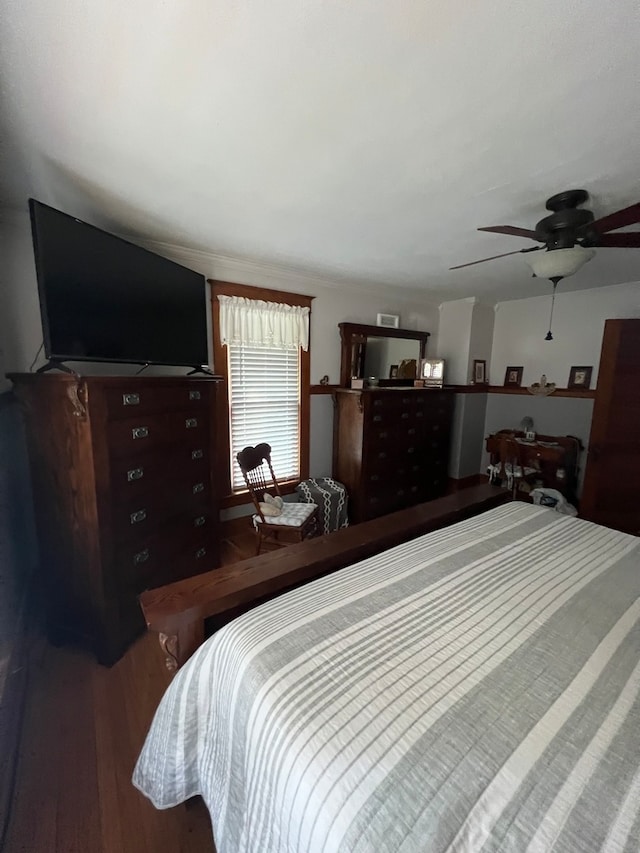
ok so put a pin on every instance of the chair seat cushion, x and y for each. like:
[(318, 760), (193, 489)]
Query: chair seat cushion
[(293, 515)]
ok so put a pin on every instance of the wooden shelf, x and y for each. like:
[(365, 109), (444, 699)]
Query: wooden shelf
[(322, 389), (588, 393)]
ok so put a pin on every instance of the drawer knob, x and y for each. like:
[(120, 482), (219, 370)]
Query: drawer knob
[(190, 423), (400, 492), (140, 432), (199, 487), (436, 427), (135, 474), (414, 488), (404, 416), (419, 414), (374, 478), (377, 418), (382, 455), (200, 553), (411, 431), (131, 399), (194, 395), (141, 557), (197, 454), (383, 434), (411, 450), (199, 521), (138, 515), (406, 400), (377, 402)]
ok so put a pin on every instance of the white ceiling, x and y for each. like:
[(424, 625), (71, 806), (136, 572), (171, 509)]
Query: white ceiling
[(364, 140)]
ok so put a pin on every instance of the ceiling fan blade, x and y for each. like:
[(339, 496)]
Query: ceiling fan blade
[(493, 258), (511, 230), (626, 216), (630, 240)]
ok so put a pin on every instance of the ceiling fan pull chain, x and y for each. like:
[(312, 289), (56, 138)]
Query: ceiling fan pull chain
[(549, 336)]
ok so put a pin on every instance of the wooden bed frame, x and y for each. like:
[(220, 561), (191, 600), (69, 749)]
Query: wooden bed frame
[(178, 612)]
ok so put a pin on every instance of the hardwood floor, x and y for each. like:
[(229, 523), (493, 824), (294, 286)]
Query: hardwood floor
[(83, 728)]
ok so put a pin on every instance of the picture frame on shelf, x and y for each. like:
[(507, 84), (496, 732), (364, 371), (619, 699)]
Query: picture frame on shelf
[(432, 372), (479, 371), (393, 371), (579, 378), (513, 377), (388, 321)]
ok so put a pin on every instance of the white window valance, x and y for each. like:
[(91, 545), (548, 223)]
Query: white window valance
[(252, 321)]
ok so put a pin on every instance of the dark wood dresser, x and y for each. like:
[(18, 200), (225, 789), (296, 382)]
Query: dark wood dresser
[(391, 447), (124, 496)]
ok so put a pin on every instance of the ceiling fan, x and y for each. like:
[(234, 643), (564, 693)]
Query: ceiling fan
[(568, 227), (569, 235)]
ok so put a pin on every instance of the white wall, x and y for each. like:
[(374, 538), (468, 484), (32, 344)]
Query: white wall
[(481, 335), (578, 325), (454, 331)]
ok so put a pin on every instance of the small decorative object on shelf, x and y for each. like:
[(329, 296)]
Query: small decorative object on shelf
[(393, 371), (579, 378), (542, 388), (513, 377), (479, 372), (432, 372), (389, 321)]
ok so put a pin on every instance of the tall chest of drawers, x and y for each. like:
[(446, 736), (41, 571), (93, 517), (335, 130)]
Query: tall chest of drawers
[(124, 496), (391, 447)]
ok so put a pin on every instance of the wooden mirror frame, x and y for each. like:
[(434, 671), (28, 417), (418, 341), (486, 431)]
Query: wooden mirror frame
[(353, 333)]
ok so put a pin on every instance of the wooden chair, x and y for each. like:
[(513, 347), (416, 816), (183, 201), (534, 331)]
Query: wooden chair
[(298, 521), (511, 467)]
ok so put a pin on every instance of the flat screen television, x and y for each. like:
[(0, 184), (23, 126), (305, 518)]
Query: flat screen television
[(105, 299)]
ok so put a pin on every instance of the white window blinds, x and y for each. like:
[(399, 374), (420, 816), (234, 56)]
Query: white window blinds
[(264, 405)]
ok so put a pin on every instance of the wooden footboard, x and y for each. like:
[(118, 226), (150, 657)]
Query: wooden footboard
[(177, 612)]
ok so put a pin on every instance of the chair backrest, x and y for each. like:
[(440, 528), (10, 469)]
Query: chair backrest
[(511, 454), (258, 477)]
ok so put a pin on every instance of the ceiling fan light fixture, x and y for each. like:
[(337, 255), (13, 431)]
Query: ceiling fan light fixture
[(559, 263)]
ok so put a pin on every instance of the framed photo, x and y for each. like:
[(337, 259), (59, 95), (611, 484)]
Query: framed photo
[(432, 371), (479, 371), (513, 377), (579, 378), (393, 371), (389, 321)]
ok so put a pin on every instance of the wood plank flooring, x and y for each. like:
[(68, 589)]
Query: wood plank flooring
[(83, 728)]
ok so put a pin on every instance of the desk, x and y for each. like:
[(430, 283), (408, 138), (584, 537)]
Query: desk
[(555, 456)]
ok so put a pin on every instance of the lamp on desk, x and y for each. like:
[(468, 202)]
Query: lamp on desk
[(526, 425)]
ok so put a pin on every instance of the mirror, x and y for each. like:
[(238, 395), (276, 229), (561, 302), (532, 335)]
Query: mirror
[(391, 356)]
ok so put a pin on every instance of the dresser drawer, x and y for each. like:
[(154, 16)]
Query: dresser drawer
[(396, 399), (134, 477), (394, 454), (134, 519), (137, 435), (136, 398), (158, 559)]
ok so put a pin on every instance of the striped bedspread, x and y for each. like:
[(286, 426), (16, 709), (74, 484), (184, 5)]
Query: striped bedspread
[(474, 689)]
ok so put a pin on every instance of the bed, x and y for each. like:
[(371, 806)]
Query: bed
[(474, 689)]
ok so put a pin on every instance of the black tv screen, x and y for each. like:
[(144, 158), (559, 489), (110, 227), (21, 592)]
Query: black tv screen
[(105, 299)]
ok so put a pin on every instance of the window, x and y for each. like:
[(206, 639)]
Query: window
[(266, 399), (264, 405)]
